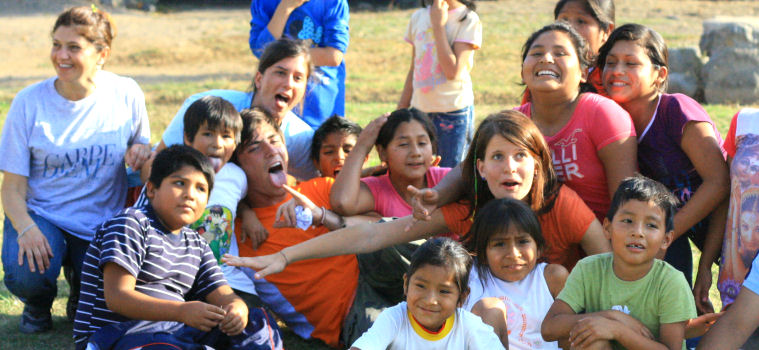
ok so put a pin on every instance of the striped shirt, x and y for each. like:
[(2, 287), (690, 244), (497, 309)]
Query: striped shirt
[(166, 266)]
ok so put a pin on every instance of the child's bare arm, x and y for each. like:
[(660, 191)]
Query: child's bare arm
[(736, 325), (561, 319), (702, 148), (236, 317), (556, 276), (453, 60), (593, 241), (350, 196), (121, 297), (408, 86), (712, 246)]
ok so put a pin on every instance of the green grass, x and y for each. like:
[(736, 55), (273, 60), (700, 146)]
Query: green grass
[(377, 62)]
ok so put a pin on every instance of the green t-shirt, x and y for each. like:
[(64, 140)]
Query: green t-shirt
[(661, 296)]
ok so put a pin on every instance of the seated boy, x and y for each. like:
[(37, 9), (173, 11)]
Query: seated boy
[(145, 273), (740, 321), (626, 299)]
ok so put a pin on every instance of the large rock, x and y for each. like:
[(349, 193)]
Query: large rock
[(685, 72), (729, 33), (732, 75)]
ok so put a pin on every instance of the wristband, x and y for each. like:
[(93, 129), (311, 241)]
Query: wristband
[(24, 231), (324, 215), (287, 262)]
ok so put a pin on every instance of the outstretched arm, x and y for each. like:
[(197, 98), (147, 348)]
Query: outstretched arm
[(357, 239), (736, 325)]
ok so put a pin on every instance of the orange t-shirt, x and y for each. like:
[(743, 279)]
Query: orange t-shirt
[(563, 226), (321, 290)]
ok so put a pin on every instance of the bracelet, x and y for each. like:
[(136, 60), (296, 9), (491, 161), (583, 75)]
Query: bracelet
[(24, 231), (287, 262), (324, 216)]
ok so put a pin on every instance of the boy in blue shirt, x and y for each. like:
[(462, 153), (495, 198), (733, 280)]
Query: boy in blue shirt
[(147, 278), (627, 299)]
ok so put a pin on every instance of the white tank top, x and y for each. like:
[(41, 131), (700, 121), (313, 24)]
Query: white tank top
[(527, 302)]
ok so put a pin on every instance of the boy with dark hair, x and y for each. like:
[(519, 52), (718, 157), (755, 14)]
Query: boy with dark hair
[(627, 298), (332, 142), (148, 257)]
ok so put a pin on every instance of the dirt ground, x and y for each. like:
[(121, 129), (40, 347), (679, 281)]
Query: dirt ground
[(198, 44)]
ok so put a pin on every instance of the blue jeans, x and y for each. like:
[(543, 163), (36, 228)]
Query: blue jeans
[(261, 333), (454, 132), (35, 289)]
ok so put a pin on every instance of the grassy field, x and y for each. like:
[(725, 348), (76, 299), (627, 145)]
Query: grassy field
[(377, 62)]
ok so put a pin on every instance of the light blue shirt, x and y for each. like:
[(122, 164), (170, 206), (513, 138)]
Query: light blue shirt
[(297, 133), (72, 152)]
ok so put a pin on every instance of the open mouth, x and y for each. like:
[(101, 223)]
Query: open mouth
[(216, 162), (277, 174), (282, 99), (635, 246), (510, 184), (546, 72)]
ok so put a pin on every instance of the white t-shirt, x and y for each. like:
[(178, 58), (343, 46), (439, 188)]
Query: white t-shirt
[(72, 152), (297, 133), (230, 187), (432, 91), (527, 302), (393, 329)]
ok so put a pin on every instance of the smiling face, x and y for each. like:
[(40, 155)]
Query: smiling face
[(281, 86), (507, 168), (585, 24), (409, 154), (333, 151), (74, 58), (264, 160), (629, 75), (511, 255), (218, 145), (551, 64), (181, 197), (637, 233), (431, 295)]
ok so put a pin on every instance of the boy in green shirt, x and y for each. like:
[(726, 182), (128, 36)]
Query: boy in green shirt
[(627, 299)]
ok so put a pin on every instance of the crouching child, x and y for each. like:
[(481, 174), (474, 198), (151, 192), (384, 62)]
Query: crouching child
[(627, 299), (148, 279)]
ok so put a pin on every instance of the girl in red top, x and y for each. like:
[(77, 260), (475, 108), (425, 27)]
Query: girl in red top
[(591, 138)]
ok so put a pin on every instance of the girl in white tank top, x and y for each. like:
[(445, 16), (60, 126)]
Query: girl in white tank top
[(510, 290)]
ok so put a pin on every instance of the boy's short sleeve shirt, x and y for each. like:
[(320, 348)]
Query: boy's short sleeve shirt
[(662, 296), (166, 266)]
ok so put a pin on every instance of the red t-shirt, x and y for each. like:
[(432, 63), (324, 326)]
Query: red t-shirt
[(596, 122), (322, 290), (563, 226)]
